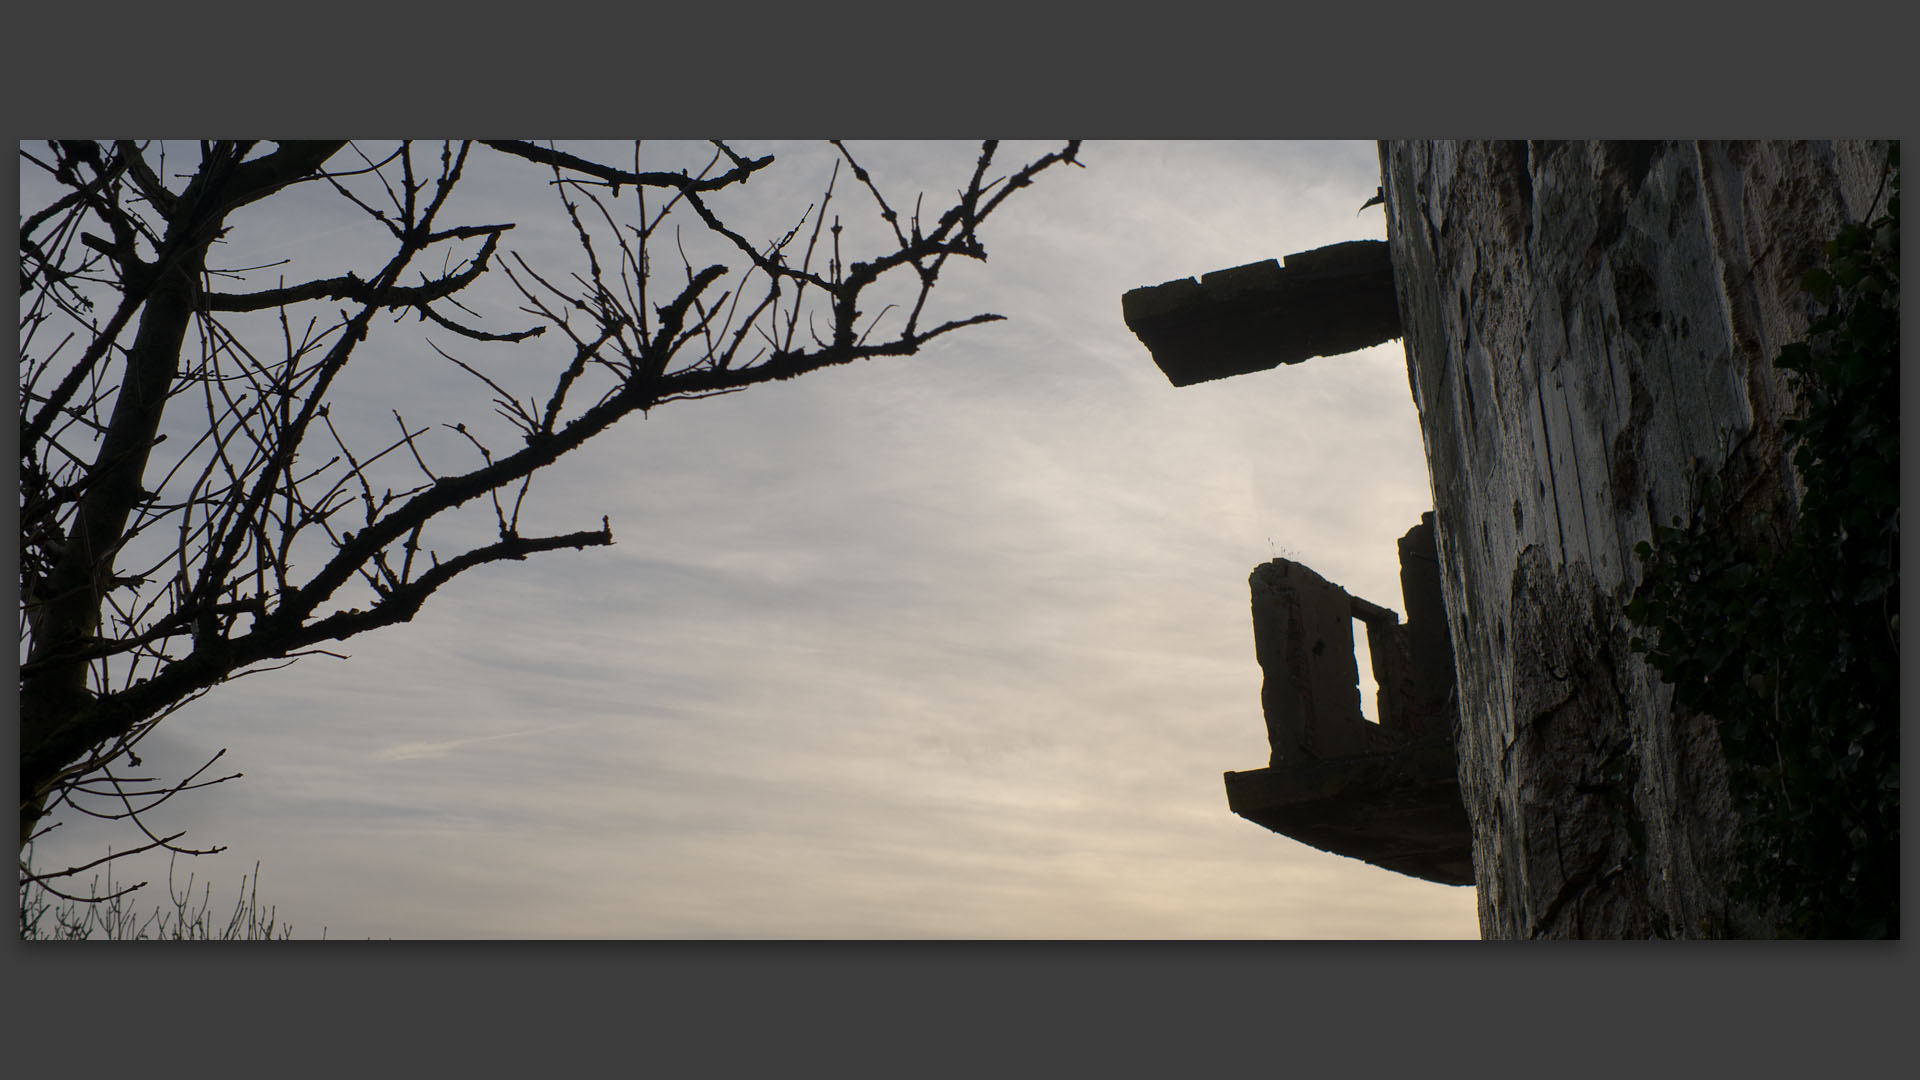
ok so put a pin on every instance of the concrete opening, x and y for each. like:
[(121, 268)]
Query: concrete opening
[(1363, 663)]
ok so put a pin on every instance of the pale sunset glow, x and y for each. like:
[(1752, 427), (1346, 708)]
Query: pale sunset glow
[(953, 645)]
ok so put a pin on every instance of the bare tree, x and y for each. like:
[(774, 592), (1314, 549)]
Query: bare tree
[(112, 918), (193, 508)]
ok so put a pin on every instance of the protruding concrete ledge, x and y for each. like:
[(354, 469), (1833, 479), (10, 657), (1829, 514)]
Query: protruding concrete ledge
[(1384, 792), (1323, 302), (1397, 809)]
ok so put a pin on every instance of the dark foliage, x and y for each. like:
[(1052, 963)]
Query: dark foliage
[(1795, 653)]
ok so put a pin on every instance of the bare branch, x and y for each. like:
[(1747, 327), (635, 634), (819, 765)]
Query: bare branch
[(211, 529), (742, 170)]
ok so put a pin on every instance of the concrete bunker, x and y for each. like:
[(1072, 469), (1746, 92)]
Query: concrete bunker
[(1323, 302)]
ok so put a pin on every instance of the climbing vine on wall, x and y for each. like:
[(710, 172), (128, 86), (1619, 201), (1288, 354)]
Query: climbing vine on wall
[(1795, 653)]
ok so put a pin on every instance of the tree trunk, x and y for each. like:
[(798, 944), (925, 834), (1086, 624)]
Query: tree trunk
[(1587, 324), (58, 715)]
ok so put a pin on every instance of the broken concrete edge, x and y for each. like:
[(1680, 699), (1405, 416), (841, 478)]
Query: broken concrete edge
[(1325, 302), (1159, 301), (1304, 642), (1369, 612), (1318, 779), (1183, 296), (1342, 259), (1399, 810), (1386, 793), (1304, 638), (1348, 258)]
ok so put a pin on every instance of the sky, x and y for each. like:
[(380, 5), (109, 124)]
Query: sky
[(954, 645)]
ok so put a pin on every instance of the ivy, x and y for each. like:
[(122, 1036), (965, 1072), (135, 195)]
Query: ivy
[(1795, 653)]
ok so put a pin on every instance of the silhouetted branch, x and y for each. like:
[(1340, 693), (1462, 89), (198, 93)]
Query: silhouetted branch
[(245, 554)]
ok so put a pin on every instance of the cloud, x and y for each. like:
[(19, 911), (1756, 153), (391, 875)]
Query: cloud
[(409, 751), (951, 645)]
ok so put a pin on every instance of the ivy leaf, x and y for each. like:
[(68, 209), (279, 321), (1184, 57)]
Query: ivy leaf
[(1870, 589), (1795, 357), (1819, 284)]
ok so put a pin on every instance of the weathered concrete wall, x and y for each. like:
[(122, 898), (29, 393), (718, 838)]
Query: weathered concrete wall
[(1386, 792), (1303, 639), (1584, 323)]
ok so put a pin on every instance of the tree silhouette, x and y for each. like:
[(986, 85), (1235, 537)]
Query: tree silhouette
[(195, 504)]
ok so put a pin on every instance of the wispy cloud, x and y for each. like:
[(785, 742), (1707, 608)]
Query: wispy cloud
[(955, 645), (409, 751)]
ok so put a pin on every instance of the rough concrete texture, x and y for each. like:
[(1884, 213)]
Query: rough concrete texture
[(1398, 809), (1587, 323), (1303, 639), (1250, 318), (1385, 792)]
